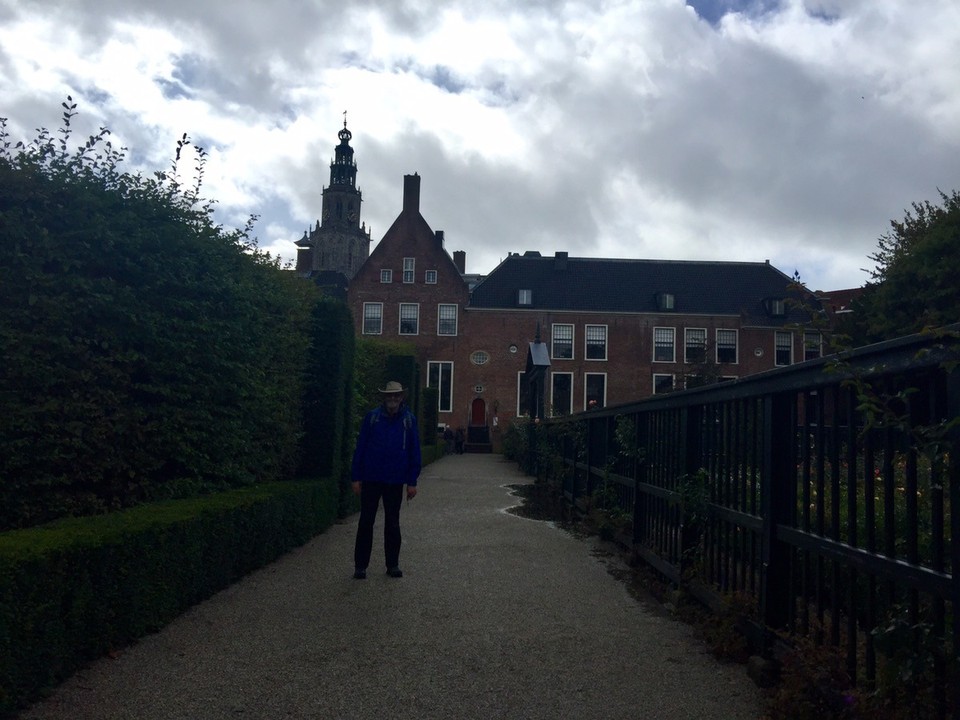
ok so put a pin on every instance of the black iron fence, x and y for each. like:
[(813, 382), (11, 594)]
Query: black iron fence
[(827, 493)]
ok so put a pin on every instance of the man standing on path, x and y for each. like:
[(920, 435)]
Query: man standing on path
[(387, 457)]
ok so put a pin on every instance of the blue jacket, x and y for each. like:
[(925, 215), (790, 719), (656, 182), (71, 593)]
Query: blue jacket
[(388, 448)]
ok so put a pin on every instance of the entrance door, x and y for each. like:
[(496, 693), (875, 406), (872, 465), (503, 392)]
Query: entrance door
[(478, 412)]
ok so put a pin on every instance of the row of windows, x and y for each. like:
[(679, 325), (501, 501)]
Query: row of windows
[(409, 319), (595, 342), (665, 382), (409, 270), (783, 346), (594, 393), (726, 345), (560, 400)]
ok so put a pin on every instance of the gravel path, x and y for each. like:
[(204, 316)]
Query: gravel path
[(496, 616)]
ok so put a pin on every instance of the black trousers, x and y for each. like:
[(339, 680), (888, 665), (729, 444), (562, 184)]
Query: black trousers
[(370, 495)]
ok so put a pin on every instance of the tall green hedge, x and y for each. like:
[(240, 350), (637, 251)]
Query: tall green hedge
[(145, 352), (327, 439)]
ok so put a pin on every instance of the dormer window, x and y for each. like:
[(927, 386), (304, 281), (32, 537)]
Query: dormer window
[(524, 297), (665, 301), (776, 307)]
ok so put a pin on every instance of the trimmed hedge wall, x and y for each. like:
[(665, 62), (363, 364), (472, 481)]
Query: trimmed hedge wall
[(145, 352), (73, 590)]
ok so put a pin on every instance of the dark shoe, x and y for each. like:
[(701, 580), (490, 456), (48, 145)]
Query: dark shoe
[(360, 574), (394, 572)]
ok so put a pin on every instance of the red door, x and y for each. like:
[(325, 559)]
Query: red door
[(478, 412)]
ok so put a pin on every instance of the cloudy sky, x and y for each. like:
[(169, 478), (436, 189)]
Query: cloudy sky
[(788, 130)]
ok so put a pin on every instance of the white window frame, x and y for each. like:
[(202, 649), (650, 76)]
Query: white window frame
[(736, 346), (777, 336), (586, 342), (673, 382), (430, 277), (688, 346), (409, 269), (586, 384), (367, 317), (521, 378), (673, 344), (808, 345), (386, 276), (524, 297), (441, 365), (416, 318), (440, 319), (553, 340), (553, 390)]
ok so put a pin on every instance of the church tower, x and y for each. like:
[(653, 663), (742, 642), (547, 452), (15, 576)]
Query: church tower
[(340, 242)]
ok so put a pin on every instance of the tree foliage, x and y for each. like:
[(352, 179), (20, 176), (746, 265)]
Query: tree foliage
[(144, 351), (914, 285)]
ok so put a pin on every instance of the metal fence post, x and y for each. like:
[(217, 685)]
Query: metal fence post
[(691, 435), (778, 492), (639, 476)]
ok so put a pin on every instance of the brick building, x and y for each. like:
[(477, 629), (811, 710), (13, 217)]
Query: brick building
[(615, 331)]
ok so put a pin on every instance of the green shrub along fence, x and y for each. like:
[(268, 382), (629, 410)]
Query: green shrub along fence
[(74, 589)]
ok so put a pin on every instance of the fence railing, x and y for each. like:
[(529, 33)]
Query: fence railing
[(827, 492)]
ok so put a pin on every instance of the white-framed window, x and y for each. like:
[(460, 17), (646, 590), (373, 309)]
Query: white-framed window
[(662, 383), (386, 276), (596, 342), (372, 318), (524, 297), (409, 265), (523, 395), (812, 344), (561, 341), (777, 307), (561, 393), (694, 345), (446, 319), (594, 390), (430, 277), (479, 357), (664, 344), (783, 348), (665, 301), (409, 319), (727, 346), (440, 376)]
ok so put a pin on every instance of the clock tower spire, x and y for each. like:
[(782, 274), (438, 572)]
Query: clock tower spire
[(339, 242)]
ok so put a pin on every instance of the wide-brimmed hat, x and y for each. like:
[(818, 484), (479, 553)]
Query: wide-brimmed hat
[(392, 387)]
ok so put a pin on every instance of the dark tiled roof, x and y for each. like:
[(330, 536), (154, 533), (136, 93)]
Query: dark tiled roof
[(605, 285)]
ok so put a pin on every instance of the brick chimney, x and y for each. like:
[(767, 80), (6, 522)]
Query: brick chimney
[(411, 193), (439, 235), (460, 260)]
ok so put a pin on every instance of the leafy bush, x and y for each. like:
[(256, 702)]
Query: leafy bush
[(145, 352)]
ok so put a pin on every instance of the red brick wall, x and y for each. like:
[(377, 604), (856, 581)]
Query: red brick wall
[(629, 366)]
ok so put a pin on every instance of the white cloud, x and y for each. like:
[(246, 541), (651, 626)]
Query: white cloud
[(792, 131)]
